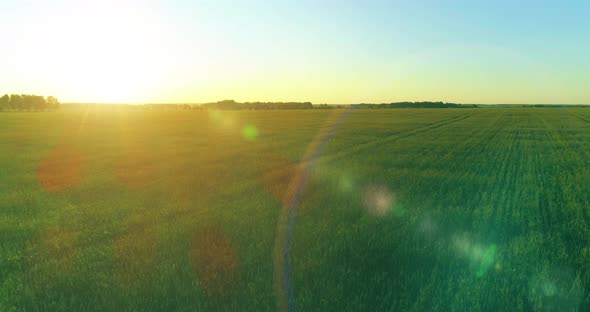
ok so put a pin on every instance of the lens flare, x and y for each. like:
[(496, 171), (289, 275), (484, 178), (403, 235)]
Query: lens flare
[(61, 170), (223, 120), (277, 174), (555, 290), (481, 258), (378, 200), (285, 225), (250, 133), (214, 261), (486, 260)]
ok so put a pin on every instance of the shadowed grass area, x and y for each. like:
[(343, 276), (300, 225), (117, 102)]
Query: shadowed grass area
[(406, 209)]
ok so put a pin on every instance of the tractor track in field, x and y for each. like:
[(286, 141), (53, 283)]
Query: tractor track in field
[(519, 164), (512, 171), (479, 141), (392, 137), (514, 168), (509, 166), (580, 117), (553, 200), (546, 201), (465, 153), (483, 142), (486, 141), (500, 161), (544, 213), (582, 153)]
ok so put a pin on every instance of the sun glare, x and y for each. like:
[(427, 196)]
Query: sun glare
[(110, 55), (112, 80)]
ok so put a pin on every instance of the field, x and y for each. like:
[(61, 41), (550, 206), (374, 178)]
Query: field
[(322, 210)]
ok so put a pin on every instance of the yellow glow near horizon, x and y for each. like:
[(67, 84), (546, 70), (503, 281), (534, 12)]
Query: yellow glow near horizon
[(178, 51)]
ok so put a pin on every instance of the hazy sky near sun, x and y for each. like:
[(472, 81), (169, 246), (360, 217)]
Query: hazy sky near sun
[(302, 50)]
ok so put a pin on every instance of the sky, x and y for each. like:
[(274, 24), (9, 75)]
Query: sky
[(336, 52)]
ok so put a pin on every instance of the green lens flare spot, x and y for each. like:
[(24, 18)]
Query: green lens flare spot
[(250, 132), (487, 260)]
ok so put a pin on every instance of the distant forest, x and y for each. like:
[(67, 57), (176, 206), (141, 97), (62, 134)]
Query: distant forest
[(23, 102), (27, 102), (415, 105), (233, 105)]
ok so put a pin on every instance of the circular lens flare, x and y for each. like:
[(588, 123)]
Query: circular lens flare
[(378, 200), (61, 170), (250, 133), (214, 261)]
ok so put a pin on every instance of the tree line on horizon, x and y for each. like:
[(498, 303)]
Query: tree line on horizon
[(414, 105), (33, 102), (27, 102), (233, 105), (220, 105)]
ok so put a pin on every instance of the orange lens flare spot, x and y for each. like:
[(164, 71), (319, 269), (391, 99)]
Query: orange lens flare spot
[(214, 261), (61, 170), (282, 177)]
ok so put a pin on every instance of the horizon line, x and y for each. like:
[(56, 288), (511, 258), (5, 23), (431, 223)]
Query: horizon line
[(368, 103)]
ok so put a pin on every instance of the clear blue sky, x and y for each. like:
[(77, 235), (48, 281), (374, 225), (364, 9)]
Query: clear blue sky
[(319, 51)]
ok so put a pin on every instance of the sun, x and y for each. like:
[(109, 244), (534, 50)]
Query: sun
[(114, 79), (111, 56)]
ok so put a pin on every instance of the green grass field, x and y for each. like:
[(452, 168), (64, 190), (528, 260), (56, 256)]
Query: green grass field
[(404, 210)]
